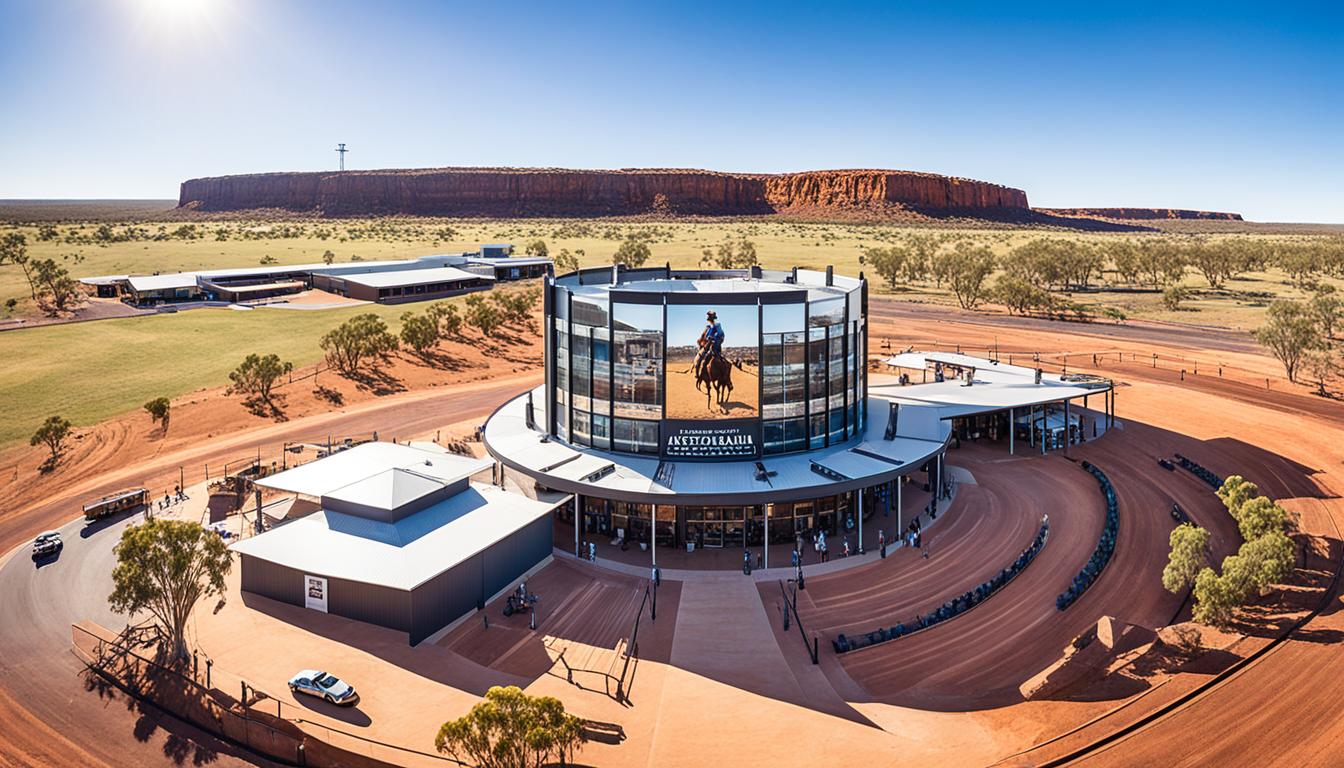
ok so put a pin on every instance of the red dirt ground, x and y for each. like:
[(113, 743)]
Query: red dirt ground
[(1286, 441)]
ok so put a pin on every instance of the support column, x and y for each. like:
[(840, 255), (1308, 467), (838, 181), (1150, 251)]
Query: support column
[(859, 498), (900, 528), (578, 520), (653, 533), (765, 535), (1012, 429), (1068, 429), (1045, 424), (1031, 426)]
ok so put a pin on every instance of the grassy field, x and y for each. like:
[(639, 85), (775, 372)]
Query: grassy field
[(90, 371)]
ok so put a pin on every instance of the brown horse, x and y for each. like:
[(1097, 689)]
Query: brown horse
[(717, 376)]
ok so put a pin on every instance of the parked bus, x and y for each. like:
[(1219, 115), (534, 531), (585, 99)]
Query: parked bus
[(117, 502)]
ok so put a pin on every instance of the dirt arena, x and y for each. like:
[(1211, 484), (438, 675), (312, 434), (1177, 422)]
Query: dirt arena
[(722, 681), (684, 401)]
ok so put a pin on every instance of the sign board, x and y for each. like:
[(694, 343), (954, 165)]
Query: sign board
[(315, 593), (710, 440)]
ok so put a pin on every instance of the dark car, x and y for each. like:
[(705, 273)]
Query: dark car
[(47, 544)]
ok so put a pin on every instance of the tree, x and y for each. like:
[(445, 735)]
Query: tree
[(419, 332), (731, 255), (1289, 333), (328, 257), (1320, 365), (53, 433), (1018, 295), (357, 340), (965, 270), (165, 567), (633, 252), (1262, 562), (447, 319), (566, 261), (536, 248), (14, 250), (510, 729), (1236, 491), (1327, 309), (1173, 296), (1215, 598), (483, 315), (1216, 261), (54, 282), (1259, 516), (257, 375), (887, 263), (1189, 555), (158, 410)]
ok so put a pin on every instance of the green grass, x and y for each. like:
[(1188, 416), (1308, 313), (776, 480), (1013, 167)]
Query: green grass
[(88, 372)]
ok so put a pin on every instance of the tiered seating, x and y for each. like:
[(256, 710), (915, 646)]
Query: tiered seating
[(1200, 472), (1105, 546), (951, 608)]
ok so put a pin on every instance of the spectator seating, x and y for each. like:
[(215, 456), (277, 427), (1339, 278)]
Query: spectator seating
[(951, 608), (1105, 546), (1203, 474)]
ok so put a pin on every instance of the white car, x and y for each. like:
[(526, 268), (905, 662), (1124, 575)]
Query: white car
[(324, 686), (48, 543)]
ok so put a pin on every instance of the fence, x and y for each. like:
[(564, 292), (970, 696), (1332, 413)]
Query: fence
[(791, 604), (244, 718), (1098, 359)]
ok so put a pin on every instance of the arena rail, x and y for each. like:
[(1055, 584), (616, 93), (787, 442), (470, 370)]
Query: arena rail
[(952, 608), (1105, 545)]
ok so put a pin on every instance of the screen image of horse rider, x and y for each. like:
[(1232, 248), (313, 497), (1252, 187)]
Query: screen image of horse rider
[(712, 367), (711, 343)]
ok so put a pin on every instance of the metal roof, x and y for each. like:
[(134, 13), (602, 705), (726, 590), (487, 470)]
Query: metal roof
[(400, 555), (339, 470), (398, 278), (995, 386), (162, 282)]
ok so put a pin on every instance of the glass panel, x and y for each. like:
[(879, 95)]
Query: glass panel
[(782, 318), (795, 435), (774, 436), (601, 349), (817, 383), (601, 431), (795, 368), (633, 436), (561, 305), (590, 310), (837, 356), (581, 361), (826, 312), (581, 428), (638, 352), (818, 430), (772, 375)]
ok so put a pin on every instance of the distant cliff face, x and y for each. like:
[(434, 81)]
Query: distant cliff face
[(1141, 213), (560, 192)]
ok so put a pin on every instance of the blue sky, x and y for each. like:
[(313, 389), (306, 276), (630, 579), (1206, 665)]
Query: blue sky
[(1215, 106)]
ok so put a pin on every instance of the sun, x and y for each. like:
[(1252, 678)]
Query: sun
[(177, 14)]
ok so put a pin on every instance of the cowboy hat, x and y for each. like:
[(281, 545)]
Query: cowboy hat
[(713, 314)]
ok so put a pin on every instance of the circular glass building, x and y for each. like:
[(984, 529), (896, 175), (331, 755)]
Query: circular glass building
[(693, 410)]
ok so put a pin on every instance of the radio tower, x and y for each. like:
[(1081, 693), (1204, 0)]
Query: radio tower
[(341, 150)]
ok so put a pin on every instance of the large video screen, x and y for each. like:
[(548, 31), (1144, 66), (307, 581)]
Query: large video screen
[(703, 385)]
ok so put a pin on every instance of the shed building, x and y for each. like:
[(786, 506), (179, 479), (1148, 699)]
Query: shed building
[(403, 539)]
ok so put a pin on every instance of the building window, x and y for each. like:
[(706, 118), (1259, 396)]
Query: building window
[(634, 436)]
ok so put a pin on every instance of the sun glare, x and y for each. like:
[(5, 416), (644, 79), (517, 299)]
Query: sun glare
[(178, 14)]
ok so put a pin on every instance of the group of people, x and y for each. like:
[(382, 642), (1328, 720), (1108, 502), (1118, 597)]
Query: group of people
[(957, 605)]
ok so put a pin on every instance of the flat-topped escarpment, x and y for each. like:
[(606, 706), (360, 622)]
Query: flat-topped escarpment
[(1142, 213), (625, 192)]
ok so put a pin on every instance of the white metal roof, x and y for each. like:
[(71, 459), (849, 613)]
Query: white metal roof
[(362, 462), (162, 282), (921, 434), (995, 386), (395, 278), (508, 261), (401, 555), (390, 489)]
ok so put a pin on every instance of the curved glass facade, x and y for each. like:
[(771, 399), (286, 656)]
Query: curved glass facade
[(626, 362)]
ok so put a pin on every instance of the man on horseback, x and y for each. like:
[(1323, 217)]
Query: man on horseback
[(711, 342)]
